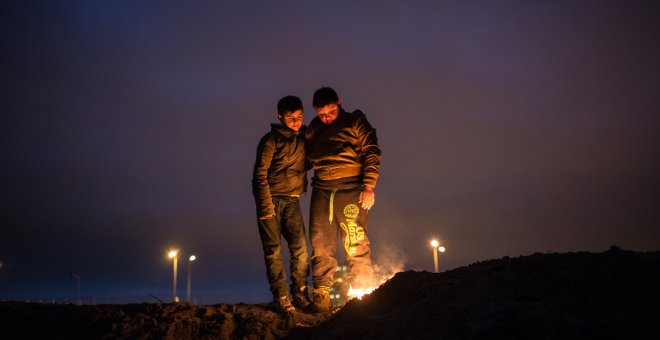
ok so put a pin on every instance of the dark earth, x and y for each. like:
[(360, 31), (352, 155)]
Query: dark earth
[(609, 295)]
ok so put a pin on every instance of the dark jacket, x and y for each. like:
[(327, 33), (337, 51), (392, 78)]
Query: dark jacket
[(280, 167), (344, 154)]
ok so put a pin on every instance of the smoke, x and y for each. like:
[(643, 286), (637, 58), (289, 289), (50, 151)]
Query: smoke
[(390, 260)]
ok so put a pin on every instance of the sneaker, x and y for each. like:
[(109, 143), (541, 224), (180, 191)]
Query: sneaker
[(300, 297), (283, 305), (321, 300)]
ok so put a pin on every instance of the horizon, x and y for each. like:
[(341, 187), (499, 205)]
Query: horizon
[(256, 293)]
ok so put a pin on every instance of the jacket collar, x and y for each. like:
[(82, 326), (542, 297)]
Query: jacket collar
[(283, 130), (342, 116)]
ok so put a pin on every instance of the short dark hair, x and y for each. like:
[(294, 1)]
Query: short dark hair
[(324, 97), (289, 104)]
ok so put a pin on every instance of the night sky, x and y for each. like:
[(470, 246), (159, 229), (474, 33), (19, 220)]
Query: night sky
[(506, 127)]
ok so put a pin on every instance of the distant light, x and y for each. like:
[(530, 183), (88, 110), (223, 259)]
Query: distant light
[(442, 249), (173, 253), (192, 257), (435, 243)]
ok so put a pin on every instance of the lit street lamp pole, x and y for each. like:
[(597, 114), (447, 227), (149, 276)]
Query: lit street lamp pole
[(190, 260), (441, 249), (435, 244), (173, 255)]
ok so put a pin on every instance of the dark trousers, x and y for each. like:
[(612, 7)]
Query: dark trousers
[(288, 222), (336, 213)]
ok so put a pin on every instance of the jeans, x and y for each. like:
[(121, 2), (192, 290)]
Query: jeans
[(336, 213), (287, 222)]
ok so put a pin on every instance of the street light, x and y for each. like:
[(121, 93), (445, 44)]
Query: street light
[(435, 244), (190, 260), (173, 255), (441, 249)]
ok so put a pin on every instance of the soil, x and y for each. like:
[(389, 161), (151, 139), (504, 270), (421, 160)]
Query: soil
[(609, 295)]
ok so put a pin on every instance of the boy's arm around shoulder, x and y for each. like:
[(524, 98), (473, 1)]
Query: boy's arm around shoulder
[(306, 133)]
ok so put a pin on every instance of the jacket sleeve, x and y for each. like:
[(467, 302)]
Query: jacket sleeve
[(307, 134), (370, 151), (260, 186)]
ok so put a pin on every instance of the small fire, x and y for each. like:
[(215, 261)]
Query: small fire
[(359, 293), (380, 276)]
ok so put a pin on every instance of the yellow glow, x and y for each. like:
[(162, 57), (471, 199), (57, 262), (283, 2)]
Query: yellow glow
[(173, 253), (192, 257), (442, 249), (434, 243), (359, 293)]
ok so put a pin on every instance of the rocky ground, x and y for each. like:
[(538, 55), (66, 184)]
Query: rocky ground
[(614, 294), (149, 321)]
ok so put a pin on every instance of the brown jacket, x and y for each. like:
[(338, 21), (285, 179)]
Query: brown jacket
[(344, 154), (280, 167)]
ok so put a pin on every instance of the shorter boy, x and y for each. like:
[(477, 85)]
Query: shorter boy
[(278, 180)]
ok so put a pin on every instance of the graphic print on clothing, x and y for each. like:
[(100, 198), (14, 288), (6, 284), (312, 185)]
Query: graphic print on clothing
[(354, 232)]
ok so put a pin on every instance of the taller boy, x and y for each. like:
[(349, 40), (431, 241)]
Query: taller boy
[(279, 177), (344, 153)]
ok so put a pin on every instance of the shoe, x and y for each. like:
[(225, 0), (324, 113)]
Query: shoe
[(300, 297), (321, 300), (283, 305)]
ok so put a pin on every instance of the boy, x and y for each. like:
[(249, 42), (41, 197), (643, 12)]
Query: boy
[(278, 179), (344, 153)]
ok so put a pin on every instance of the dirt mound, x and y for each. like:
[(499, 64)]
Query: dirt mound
[(544, 296), (614, 294)]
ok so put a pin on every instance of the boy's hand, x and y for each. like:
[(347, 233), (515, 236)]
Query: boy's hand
[(266, 217), (367, 197)]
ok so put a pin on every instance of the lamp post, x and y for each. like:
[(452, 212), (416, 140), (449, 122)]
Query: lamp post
[(190, 260), (173, 255), (442, 249), (435, 244)]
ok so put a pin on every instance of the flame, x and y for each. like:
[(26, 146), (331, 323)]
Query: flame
[(359, 293)]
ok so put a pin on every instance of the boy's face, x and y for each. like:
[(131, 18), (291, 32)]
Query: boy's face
[(328, 113), (292, 120)]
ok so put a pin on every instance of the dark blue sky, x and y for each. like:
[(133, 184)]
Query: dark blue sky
[(507, 128)]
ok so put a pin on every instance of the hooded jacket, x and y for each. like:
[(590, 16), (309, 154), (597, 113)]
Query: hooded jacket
[(280, 167), (344, 154)]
